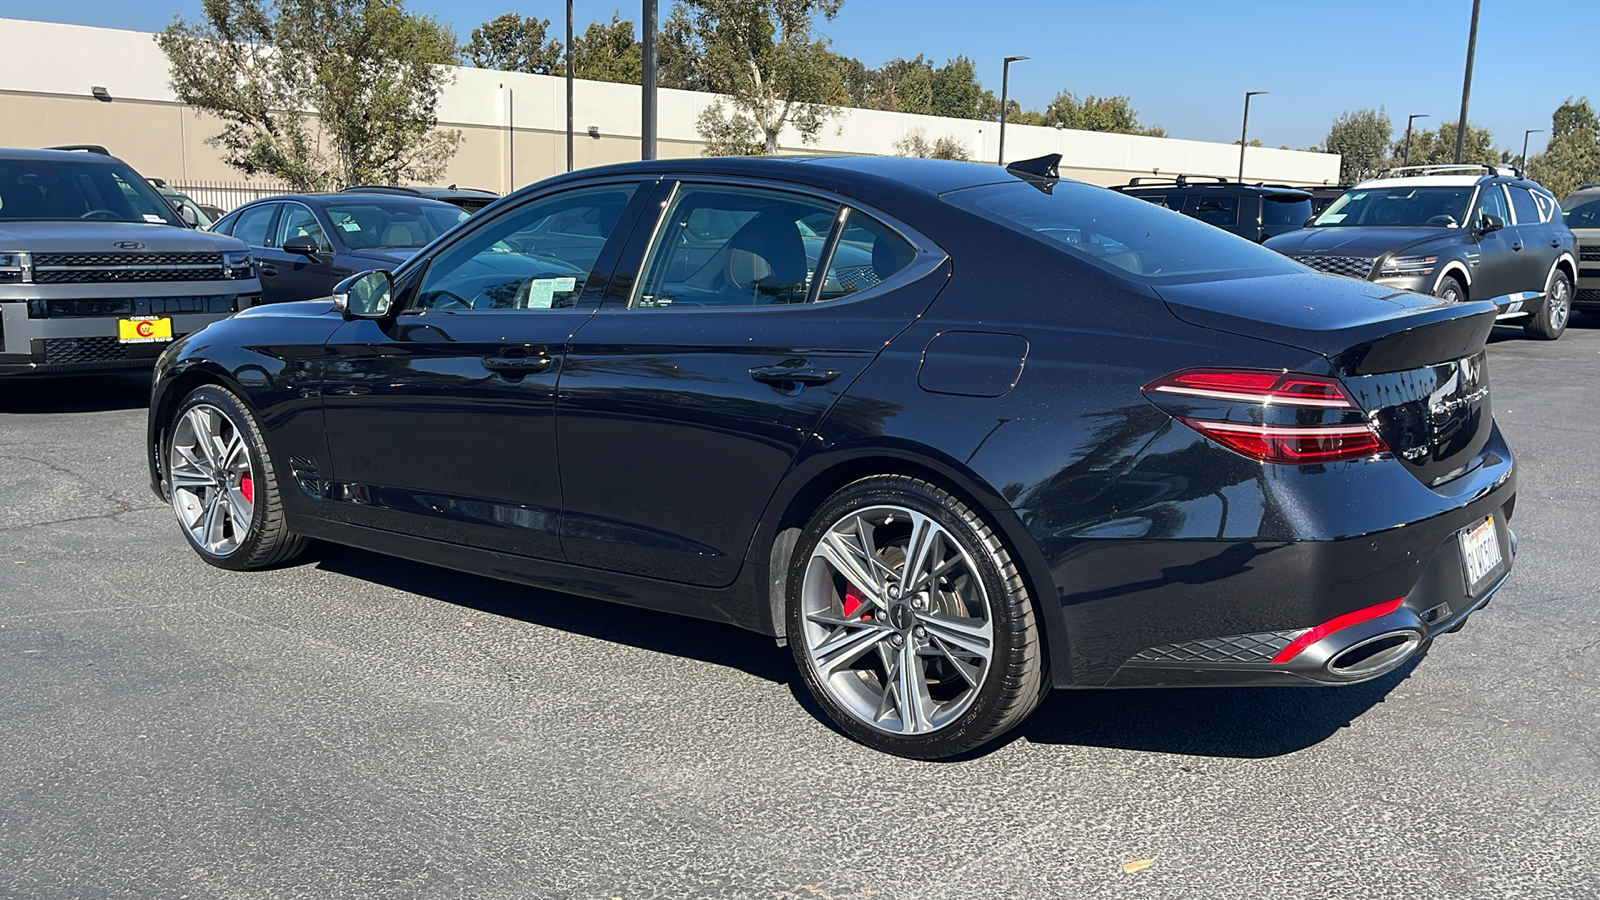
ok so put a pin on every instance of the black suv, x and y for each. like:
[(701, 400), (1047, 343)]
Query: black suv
[(1254, 211), (469, 199), (1471, 232)]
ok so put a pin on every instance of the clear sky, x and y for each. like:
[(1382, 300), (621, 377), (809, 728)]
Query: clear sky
[(1184, 63)]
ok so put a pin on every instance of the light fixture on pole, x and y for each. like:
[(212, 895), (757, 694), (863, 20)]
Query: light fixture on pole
[(1522, 161), (1244, 131), (1005, 81), (1406, 160)]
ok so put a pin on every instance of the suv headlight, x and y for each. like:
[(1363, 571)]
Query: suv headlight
[(234, 260), (1408, 265), (16, 268)]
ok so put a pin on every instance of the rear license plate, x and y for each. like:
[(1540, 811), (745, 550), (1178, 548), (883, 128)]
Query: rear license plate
[(1480, 552), (144, 329)]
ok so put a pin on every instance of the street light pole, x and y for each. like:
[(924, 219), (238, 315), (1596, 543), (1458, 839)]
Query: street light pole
[(1466, 83), (1005, 81), (569, 85), (1244, 131), (1409, 119), (647, 126), (1522, 162)]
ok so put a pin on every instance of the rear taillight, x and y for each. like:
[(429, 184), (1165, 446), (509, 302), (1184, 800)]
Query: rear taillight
[(1272, 416)]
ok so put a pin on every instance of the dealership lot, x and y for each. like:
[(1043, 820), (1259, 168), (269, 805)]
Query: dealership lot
[(359, 726)]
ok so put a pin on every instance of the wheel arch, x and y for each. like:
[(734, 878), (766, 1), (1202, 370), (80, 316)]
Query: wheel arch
[(1457, 268), (1564, 263), (816, 479)]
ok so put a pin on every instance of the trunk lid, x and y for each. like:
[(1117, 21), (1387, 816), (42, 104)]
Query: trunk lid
[(1415, 364)]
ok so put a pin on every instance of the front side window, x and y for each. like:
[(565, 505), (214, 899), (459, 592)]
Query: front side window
[(518, 261), (723, 246), (1522, 204), (252, 224), (1121, 234), (1403, 205), (50, 189), (299, 221)]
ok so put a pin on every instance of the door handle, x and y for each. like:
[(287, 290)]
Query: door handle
[(797, 372), (268, 271), (517, 365), (1556, 243), (1517, 246)]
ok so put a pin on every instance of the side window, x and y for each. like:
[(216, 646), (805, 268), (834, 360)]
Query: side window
[(252, 224), (1546, 204), (734, 247), (1492, 202), (298, 220), (536, 256), (225, 224), (1522, 205), (868, 252), (1220, 211)]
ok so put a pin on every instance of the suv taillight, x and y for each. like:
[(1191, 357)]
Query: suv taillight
[(1324, 423)]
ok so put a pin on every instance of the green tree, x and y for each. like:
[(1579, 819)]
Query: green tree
[(916, 144), (955, 92), (608, 52), (319, 93), (1572, 157), (767, 57), (903, 85), (1438, 148), (511, 43), (1112, 114), (1362, 139)]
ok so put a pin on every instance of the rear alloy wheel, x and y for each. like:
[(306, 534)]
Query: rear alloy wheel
[(220, 480), (1450, 290), (1549, 321), (909, 621)]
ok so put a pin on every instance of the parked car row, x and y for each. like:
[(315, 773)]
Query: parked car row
[(1473, 232)]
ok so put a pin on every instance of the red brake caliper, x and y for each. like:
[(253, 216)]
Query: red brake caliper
[(247, 488), (853, 602)]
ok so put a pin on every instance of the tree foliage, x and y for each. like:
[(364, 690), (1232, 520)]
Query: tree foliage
[(1362, 139), (1438, 148), (511, 43), (608, 52), (1572, 157), (916, 144), (766, 56), (1091, 113), (319, 93)]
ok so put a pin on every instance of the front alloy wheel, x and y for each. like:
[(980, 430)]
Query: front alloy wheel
[(909, 621), (1549, 321)]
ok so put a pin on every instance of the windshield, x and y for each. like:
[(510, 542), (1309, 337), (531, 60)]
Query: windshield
[(1121, 234), (1399, 205), (381, 223), (1582, 212), (42, 189)]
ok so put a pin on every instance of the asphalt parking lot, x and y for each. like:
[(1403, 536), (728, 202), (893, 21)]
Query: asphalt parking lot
[(359, 726)]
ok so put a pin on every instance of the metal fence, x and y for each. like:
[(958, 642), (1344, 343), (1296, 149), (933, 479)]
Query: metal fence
[(226, 195)]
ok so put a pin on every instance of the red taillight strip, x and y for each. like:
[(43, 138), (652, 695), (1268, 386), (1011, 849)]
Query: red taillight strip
[(1239, 397), (1317, 431), (1338, 623)]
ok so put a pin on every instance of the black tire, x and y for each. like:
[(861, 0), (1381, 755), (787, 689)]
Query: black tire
[(1013, 681), (1450, 289), (1549, 321), (267, 541)]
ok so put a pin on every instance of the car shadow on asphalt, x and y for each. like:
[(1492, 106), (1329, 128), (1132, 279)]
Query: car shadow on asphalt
[(711, 642), (34, 395)]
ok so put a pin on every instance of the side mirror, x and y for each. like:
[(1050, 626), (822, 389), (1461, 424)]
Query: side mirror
[(1490, 222), (1310, 220), (187, 216), (363, 296), (301, 246)]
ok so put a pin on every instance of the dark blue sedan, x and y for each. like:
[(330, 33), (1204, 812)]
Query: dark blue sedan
[(305, 244)]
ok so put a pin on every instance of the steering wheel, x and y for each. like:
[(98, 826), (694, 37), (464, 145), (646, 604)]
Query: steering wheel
[(1443, 219), (100, 214)]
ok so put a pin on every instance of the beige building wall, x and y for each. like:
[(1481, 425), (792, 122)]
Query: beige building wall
[(513, 125)]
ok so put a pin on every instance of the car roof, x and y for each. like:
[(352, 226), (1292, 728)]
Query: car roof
[(406, 190), (1162, 186), (30, 155), (321, 198), (841, 173)]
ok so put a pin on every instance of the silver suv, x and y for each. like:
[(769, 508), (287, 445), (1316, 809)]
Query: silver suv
[(98, 272)]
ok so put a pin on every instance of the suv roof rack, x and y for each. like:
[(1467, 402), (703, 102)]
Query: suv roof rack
[(1178, 181), (1461, 168), (87, 148)]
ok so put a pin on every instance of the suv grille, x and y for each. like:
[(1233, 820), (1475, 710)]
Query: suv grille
[(85, 349), (1352, 266), (1589, 254), (1587, 295), (82, 268)]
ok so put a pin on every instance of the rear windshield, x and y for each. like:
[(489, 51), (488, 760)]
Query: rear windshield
[(1121, 234), (1582, 212), (1399, 205), (69, 189), (1284, 212), (398, 222)]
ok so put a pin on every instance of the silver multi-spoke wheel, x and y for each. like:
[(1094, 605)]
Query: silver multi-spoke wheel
[(213, 483), (1549, 321), (1560, 304), (897, 624)]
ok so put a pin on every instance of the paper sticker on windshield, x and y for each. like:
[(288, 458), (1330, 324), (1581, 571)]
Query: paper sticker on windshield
[(561, 285), (154, 219), (349, 226), (540, 293)]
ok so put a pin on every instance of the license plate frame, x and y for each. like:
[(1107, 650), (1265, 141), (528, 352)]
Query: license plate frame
[(1481, 555), (144, 329)]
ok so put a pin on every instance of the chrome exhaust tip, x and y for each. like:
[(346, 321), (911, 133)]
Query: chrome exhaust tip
[(1375, 655)]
